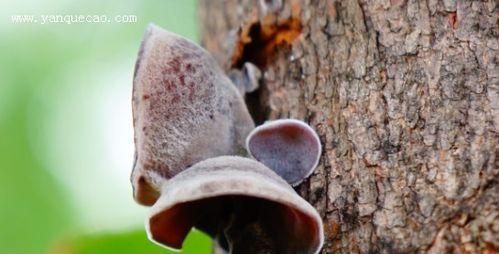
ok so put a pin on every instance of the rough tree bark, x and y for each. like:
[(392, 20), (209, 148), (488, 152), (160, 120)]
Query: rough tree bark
[(404, 96)]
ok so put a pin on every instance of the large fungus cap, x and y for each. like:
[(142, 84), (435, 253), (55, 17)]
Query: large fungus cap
[(239, 201), (184, 110)]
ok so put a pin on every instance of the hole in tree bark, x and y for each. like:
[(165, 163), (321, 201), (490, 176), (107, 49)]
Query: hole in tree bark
[(257, 106), (259, 44)]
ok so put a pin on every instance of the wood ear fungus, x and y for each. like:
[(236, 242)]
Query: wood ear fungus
[(289, 147), (185, 110), (238, 201), (188, 115)]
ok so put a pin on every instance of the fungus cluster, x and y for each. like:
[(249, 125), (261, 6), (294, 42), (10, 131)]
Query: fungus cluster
[(192, 129)]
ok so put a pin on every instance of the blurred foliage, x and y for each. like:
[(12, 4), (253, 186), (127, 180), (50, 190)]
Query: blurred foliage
[(37, 62), (130, 242)]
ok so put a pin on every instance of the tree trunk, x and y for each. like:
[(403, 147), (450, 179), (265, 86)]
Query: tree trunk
[(405, 98)]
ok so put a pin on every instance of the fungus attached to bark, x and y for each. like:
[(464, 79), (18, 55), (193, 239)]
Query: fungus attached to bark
[(185, 110), (289, 147), (247, 79), (240, 202)]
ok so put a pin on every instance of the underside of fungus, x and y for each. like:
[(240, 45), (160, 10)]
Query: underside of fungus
[(241, 203)]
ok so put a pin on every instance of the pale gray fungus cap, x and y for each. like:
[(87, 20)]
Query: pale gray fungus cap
[(289, 147), (205, 196), (185, 110)]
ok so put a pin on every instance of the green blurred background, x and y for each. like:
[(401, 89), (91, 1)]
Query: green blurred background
[(66, 137)]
